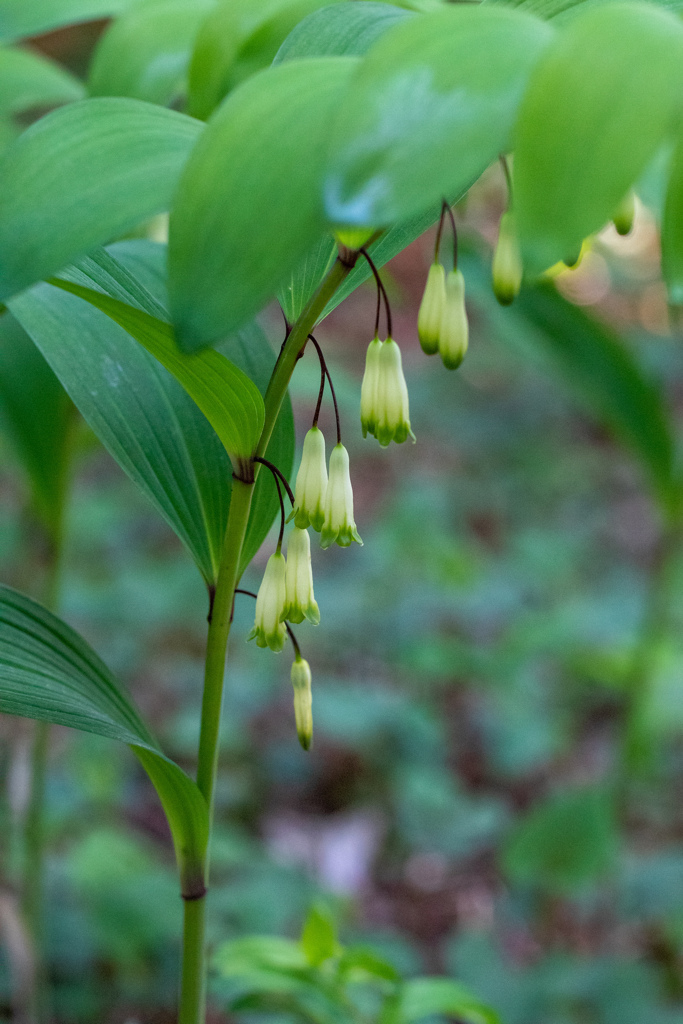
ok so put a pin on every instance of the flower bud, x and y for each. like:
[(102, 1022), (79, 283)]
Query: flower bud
[(269, 630), (339, 525), (454, 334), (507, 262), (353, 238), (392, 417), (625, 214), (431, 309), (369, 388), (303, 701), (311, 482), (299, 601)]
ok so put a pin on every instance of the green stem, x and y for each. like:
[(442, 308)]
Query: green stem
[(193, 983)]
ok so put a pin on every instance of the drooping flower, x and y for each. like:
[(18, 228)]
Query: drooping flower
[(303, 701), (625, 214), (311, 482), (269, 629), (299, 601), (431, 309), (339, 525), (507, 262), (454, 333), (392, 414), (369, 388)]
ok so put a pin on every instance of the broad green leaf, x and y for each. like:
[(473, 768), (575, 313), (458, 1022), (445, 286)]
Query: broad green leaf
[(432, 104), (230, 401), (672, 229), (566, 840), (341, 30), (318, 938), (599, 104), (358, 962), (599, 366), (22, 18), (37, 414), (145, 53), (564, 10), (142, 415), (29, 81), (238, 39), (49, 673), (249, 203), (82, 175), (429, 997)]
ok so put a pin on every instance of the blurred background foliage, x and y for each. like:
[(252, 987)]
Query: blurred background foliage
[(494, 791)]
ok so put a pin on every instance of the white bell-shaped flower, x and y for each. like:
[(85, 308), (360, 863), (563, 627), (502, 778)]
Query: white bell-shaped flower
[(431, 309), (454, 334), (300, 603), (269, 629), (311, 483), (339, 525), (303, 701), (369, 388), (392, 415), (507, 268)]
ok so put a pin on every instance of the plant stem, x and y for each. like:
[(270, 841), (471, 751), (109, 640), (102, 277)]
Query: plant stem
[(193, 983)]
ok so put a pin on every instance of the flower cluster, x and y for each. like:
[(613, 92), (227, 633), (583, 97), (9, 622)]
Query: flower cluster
[(442, 320), (384, 411)]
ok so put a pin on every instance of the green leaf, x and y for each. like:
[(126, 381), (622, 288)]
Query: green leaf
[(22, 18), (49, 673), (600, 367), (37, 415), (342, 30), (145, 53), (29, 81), (358, 962), (672, 228), (82, 175), (238, 39), (248, 206), (427, 997), (564, 10), (599, 104), (318, 938), (230, 401), (142, 415), (426, 113), (566, 840)]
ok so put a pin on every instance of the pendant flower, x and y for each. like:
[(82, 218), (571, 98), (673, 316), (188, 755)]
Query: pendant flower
[(431, 309), (269, 629), (454, 333), (392, 415), (303, 701), (339, 525), (299, 600), (369, 388), (507, 262), (311, 483)]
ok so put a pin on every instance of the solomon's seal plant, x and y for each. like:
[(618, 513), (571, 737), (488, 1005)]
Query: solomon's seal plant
[(360, 128)]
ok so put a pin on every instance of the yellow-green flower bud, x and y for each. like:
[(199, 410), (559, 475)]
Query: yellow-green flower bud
[(339, 525), (269, 630), (392, 415), (300, 602), (369, 388), (431, 309), (303, 701), (625, 214), (353, 238), (454, 334), (311, 482), (507, 262)]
